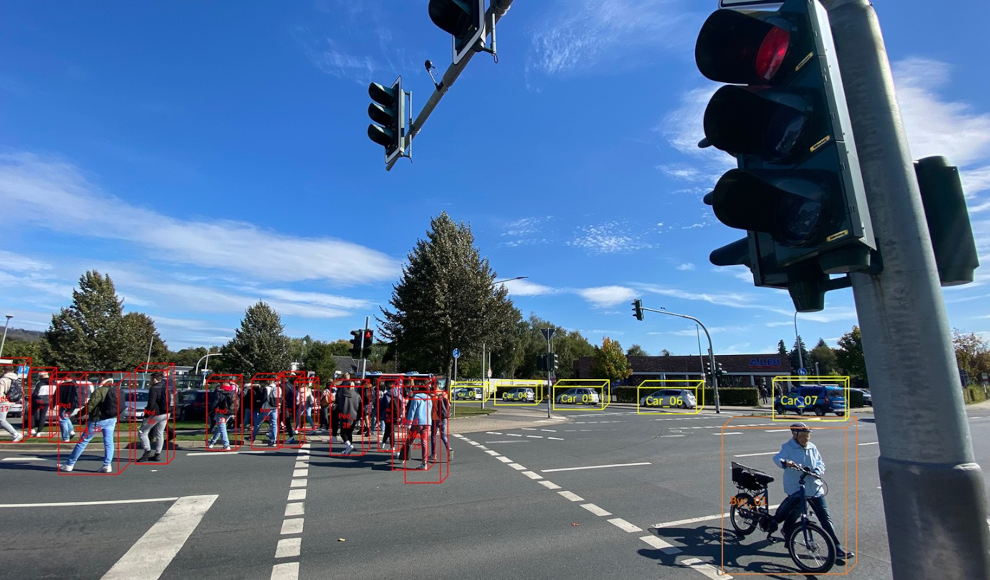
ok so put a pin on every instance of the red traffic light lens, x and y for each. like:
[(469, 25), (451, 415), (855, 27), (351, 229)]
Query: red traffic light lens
[(772, 52), (367, 335)]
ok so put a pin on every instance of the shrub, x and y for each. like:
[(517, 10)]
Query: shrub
[(856, 400), (736, 397)]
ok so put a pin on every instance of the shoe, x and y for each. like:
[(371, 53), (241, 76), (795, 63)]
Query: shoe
[(210, 445), (64, 467), (66, 440), (386, 447), (422, 466), (18, 437), (433, 459), (34, 432), (156, 457), (271, 443), (841, 554), (72, 435), (226, 447), (291, 441), (450, 455), (146, 457), (105, 469)]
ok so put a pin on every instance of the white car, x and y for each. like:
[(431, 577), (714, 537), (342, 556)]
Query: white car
[(468, 394), (579, 396), (519, 394), (132, 403), (670, 399)]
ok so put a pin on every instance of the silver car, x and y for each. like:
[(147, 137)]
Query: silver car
[(670, 399), (132, 402)]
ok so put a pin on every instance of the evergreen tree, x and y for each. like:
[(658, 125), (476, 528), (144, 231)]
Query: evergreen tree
[(665, 352), (446, 299), (636, 350), (782, 351), (849, 355), (609, 363), (87, 335), (793, 355), (138, 330), (258, 346), (824, 356)]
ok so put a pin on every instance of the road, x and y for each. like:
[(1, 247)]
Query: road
[(605, 494)]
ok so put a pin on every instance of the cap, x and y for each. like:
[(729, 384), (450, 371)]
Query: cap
[(800, 428)]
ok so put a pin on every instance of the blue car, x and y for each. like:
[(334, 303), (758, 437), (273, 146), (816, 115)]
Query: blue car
[(820, 399)]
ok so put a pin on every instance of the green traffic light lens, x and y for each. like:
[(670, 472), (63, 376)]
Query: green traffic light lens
[(798, 219)]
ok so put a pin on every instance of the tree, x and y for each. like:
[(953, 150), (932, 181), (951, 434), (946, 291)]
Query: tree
[(972, 354), (608, 362), (137, 332), (636, 350), (797, 361), (319, 359), (24, 348), (782, 350), (825, 358), (258, 346), (446, 298), (87, 335), (849, 355), (665, 352), (188, 357)]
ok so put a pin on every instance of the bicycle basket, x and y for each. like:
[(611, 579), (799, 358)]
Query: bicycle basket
[(749, 478)]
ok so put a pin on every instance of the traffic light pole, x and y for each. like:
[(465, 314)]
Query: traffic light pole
[(364, 361), (497, 11), (711, 352), (933, 490)]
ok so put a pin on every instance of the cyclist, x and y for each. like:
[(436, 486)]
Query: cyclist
[(799, 451)]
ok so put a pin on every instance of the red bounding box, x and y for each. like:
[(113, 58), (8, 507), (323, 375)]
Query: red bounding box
[(308, 393), (261, 411), (149, 376), (348, 388), (40, 416), (229, 387), (388, 410), (71, 388), (435, 466), (8, 404)]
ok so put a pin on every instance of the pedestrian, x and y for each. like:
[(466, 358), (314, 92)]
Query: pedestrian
[(68, 407), (441, 412), (306, 403), (155, 417), (8, 383), (349, 413), (271, 398), (763, 394), (418, 415), (326, 402), (799, 451), (289, 410), (224, 406), (388, 412), (101, 417), (41, 401)]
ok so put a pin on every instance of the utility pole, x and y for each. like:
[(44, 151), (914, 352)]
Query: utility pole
[(933, 490)]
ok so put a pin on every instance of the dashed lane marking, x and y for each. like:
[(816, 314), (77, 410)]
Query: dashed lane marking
[(706, 569), (660, 545), (595, 467), (624, 525), (595, 509), (570, 495)]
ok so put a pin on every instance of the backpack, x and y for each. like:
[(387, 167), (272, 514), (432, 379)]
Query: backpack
[(257, 396), (442, 408), (109, 405), (15, 394), (273, 398)]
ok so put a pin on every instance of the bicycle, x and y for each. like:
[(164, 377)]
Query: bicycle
[(807, 543)]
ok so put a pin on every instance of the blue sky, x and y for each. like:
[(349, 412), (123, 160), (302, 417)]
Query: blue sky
[(208, 155)]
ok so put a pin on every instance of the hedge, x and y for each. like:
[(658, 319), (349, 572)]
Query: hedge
[(856, 400), (974, 394)]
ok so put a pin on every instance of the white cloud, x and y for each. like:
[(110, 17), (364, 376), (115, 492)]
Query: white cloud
[(526, 288), (580, 37), (20, 263), (33, 189), (606, 296), (608, 238), (689, 267)]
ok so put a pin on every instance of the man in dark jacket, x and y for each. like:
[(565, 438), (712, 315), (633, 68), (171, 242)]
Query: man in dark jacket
[(101, 414), (68, 405), (155, 417), (289, 410), (348, 415)]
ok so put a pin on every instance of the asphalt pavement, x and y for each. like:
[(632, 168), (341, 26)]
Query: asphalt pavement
[(583, 495)]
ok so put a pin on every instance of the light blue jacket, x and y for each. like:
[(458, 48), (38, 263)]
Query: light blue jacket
[(804, 457), (420, 410)]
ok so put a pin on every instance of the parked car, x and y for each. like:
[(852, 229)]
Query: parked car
[(520, 394), (132, 402), (579, 396), (821, 399), (468, 394), (193, 405), (867, 397), (670, 399)]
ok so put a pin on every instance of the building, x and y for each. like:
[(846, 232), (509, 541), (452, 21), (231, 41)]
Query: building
[(741, 370)]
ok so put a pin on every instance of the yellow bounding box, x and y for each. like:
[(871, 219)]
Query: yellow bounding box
[(816, 398), (572, 394), (670, 397), (468, 391), (516, 393)]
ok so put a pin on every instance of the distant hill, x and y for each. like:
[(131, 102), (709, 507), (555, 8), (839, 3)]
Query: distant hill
[(22, 334)]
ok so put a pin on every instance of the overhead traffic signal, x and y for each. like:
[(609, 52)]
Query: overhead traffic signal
[(638, 309), (797, 191), (464, 20), (389, 112), (368, 338), (541, 362), (719, 371), (356, 343)]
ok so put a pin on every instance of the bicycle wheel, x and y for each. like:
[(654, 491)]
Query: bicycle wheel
[(811, 548), (742, 514)]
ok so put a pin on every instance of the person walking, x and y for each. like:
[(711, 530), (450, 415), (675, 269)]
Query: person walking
[(441, 412), (289, 410), (326, 402), (224, 406), (101, 416), (349, 412), (68, 405), (271, 400), (799, 451), (418, 416), (155, 417), (41, 402), (7, 383)]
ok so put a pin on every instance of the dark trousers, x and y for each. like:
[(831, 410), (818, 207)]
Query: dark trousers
[(39, 416), (387, 436), (324, 417), (290, 422), (790, 511), (334, 424), (347, 433)]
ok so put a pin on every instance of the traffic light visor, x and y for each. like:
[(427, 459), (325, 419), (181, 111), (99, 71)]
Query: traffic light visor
[(380, 94), (734, 47), (789, 209), (767, 123), (381, 135), (381, 115), (453, 16)]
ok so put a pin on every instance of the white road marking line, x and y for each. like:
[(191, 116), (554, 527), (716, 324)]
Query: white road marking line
[(535, 436), (287, 571), (295, 509), (492, 433), (571, 496), (154, 551), (513, 441), (624, 525), (301, 472), (504, 459), (297, 483), (297, 494), (475, 443), (482, 447), (701, 519), (594, 467), (548, 484), (492, 453), (555, 438), (516, 466), (288, 548), (706, 569), (870, 443), (513, 435), (528, 429), (222, 453), (103, 502), (660, 545), (23, 459), (532, 475), (549, 430), (595, 509), (729, 433), (673, 436), (756, 454), (292, 526), (777, 430)]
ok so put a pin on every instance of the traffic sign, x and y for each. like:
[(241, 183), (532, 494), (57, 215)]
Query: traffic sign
[(457, 353), (802, 372), (22, 370), (489, 373)]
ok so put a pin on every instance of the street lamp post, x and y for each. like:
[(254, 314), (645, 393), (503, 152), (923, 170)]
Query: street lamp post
[(797, 345), (4, 339)]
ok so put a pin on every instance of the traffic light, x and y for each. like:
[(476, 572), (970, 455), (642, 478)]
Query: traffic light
[(389, 112), (368, 339), (356, 343), (718, 370), (797, 191), (638, 309), (462, 19), (541, 362), (552, 362), (708, 368)]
